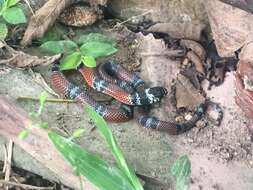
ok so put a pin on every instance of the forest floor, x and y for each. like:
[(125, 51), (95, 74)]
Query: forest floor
[(221, 156)]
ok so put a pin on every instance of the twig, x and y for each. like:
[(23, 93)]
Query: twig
[(24, 186), (41, 81), (48, 99), (8, 165), (5, 158), (164, 53), (129, 19)]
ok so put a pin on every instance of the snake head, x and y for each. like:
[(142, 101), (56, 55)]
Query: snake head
[(155, 94)]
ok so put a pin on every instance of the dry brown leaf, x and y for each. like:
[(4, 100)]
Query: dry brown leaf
[(231, 27), (187, 96), (9, 56), (192, 56), (194, 46), (43, 19), (188, 30)]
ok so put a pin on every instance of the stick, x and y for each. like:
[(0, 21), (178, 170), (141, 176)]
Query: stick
[(48, 99), (8, 165), (24, 186)]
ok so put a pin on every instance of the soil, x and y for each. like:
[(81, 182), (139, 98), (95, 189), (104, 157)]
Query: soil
[(221, 156)]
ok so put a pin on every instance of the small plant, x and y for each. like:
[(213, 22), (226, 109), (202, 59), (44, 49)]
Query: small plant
[(84, 163), (85, 50), (10, 13), (181, 170)]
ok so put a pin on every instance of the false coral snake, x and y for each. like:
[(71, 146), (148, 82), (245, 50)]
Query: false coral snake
[(114, 80)]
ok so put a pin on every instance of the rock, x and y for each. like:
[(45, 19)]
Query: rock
[(187, 30), (231, 27), (160, 11)]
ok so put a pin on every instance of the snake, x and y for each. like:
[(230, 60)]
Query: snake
[(126, 87)]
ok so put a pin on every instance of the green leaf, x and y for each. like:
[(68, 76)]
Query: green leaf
[(10, 3), (3, 31), (44, 125), (181, 169), (23, 134), (1, 4), (117, 153), (183, 183), (14, 15), (89, 61), (97, 49), (71, 61), (77, 133), (62, 46), (94, 37), (93, 168)]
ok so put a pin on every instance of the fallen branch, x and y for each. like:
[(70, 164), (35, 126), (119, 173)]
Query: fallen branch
[(43, 19)]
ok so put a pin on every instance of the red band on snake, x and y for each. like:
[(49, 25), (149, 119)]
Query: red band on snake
[(114, 80)]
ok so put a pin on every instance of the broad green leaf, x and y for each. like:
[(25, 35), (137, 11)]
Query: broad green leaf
[(89, 61), (94, 37), (71, 61), (3, 31), (93, 168), (117, 153), (182, 167), (183, 183), (10, 3), (77, 133), (97, 49), (14, 15), (23, 134), (62, 46)]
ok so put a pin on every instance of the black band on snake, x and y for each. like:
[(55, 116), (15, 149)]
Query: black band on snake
[(113, 80)]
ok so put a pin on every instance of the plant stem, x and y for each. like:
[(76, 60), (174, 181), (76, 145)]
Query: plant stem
[(48, 99)]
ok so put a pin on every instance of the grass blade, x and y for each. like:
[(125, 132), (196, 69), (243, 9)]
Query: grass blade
[(96, 170), (117, 153)]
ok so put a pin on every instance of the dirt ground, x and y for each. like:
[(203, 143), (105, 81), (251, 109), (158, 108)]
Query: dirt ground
[(221, 156)]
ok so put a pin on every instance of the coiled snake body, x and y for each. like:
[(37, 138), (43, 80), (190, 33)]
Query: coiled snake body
[(114, 80)]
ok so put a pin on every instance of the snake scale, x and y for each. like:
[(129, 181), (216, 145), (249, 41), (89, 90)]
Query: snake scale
[(126, 87)]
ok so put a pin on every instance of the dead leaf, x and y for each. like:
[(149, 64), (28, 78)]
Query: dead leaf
[(195, 47), (9, 56), (188, 30), (194, 58), (187, 96), (231, 27)]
